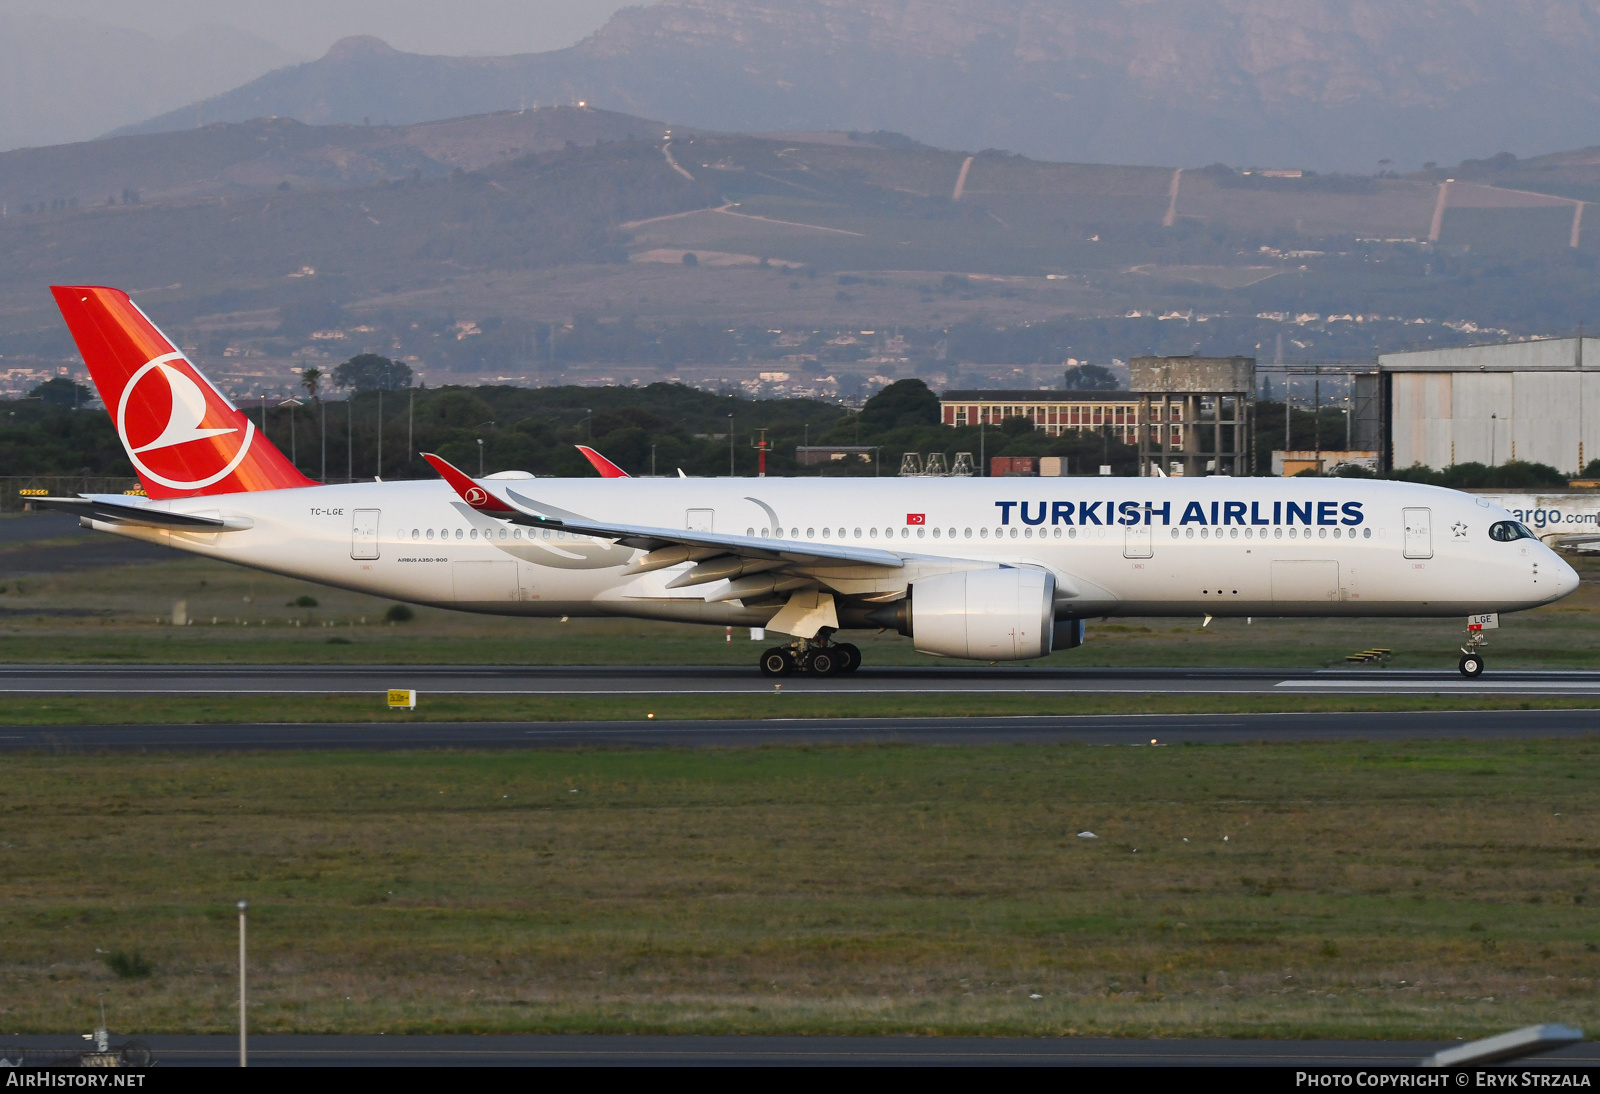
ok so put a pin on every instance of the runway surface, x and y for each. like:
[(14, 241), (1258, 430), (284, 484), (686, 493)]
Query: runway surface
[(653, 680), (1140, 729), (283, 1050)]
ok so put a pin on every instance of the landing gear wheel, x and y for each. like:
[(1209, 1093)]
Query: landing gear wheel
[(1471, 666), (825, 662), (777, 662), (849, 656)]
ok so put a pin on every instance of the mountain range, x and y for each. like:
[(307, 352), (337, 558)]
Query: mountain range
[(1326, 84), (67, 80)]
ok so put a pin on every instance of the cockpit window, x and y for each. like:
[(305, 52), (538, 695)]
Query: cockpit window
[(1507, 530)]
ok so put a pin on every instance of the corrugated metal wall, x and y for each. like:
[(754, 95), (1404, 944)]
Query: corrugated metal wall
[(1440, 418), (1491, 404), (1422, 419)]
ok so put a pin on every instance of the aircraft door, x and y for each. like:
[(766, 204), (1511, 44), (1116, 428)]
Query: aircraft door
[(1297, 581), (1138, 541), (1419, 533), (699, 520), (364, 534)]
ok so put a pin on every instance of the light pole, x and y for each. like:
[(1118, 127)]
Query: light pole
[(480, 457), (244, 906), (294, 457), (730, 446), (380, 433)]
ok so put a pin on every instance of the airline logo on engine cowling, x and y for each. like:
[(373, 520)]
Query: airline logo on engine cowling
[(177, 429)]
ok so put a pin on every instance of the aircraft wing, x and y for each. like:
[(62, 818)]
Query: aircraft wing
[(1585, 541), (719, 555), (120, 511)]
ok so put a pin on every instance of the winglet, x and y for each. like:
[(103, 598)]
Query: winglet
[(607, 469), (471, 493)]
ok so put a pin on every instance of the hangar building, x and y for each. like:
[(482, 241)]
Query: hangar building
[(1532, 401)]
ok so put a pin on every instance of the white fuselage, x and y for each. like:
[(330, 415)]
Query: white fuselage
[(1126, 547)]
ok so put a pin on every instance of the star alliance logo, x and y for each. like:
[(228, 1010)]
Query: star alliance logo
[(1460, 529)]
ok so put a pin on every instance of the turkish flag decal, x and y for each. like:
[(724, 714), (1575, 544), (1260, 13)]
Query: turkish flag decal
[(916, 518)]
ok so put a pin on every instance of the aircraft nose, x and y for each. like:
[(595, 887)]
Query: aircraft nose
[(1566, 577)]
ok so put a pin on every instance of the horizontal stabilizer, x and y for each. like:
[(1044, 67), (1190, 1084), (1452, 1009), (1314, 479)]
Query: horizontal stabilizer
[(120, 512)]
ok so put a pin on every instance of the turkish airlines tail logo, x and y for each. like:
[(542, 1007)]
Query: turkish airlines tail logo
[(183, 435)]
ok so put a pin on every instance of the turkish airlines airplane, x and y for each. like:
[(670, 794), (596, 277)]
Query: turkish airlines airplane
[(992, 569)]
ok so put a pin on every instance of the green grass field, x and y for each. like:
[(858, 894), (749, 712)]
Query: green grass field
[(1288, 890), (1362, 890), (179, 709)]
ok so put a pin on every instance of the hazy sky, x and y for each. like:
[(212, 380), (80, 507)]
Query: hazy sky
[(309, 27)]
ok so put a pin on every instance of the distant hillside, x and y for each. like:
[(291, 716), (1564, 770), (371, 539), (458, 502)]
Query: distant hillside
[(492, 247), (267, 153), (1325, 83), (71, 79)]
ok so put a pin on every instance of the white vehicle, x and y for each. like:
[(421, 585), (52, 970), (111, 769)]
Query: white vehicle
[(989, 569)]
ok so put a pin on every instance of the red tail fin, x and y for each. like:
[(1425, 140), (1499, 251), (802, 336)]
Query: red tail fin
[(607, 469), (183, 435)]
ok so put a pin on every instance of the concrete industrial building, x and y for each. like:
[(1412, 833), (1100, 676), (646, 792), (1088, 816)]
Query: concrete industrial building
[(1538, 402), (1199, 410)]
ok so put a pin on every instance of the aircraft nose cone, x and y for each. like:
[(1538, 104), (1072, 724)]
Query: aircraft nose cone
[(1566, 578)]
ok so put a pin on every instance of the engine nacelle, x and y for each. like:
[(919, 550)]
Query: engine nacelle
[(987, 615)]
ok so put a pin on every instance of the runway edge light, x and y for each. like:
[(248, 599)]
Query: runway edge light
[(400, 697)]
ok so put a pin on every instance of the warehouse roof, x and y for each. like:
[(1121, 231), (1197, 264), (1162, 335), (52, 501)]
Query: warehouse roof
[(1540, 355)]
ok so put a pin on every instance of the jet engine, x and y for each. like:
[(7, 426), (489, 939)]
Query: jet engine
[(988, 615)]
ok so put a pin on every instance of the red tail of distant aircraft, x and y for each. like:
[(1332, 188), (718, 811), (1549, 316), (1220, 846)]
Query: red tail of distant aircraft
[(607, 469)]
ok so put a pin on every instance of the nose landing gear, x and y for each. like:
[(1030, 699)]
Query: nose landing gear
[(817, 658), (1471, 663)]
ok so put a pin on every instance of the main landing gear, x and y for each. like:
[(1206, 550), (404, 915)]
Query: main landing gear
[(817, 658)]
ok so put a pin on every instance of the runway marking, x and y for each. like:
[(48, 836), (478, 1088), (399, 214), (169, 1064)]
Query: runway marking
[(1484, 686)]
